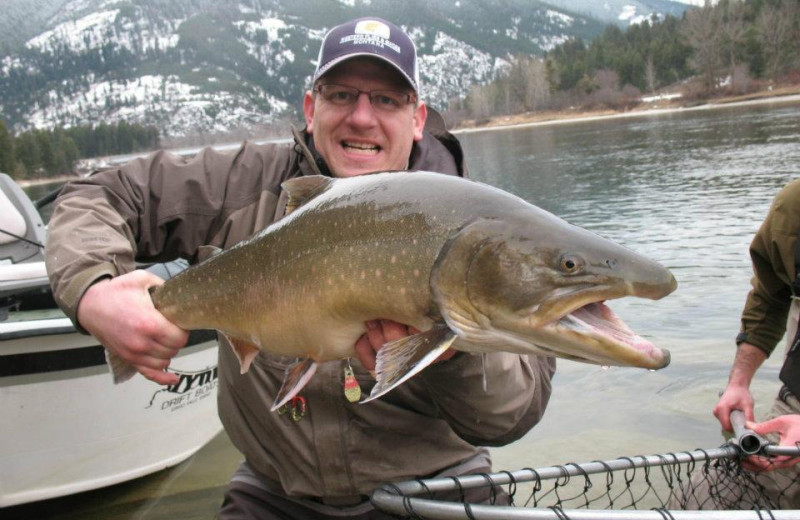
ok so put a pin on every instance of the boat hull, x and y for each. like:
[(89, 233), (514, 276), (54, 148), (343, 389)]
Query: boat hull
[(67, 428)]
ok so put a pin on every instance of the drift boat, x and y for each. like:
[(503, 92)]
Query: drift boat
[(65, 426)]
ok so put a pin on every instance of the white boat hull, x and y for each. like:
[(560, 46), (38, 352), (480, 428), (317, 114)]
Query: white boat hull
[(67, 428)]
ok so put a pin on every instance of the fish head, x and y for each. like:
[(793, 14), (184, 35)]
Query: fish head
[(539, 286)]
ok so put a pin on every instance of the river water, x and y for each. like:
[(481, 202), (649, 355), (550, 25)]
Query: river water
[(686, 188)]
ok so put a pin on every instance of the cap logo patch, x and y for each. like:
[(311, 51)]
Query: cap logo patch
[(371, 32)]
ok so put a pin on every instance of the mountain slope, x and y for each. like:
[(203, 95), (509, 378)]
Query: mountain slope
[(624, 12), (211, 67)]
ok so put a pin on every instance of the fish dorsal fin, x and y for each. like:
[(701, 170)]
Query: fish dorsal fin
[(245, 352), (399, 360), (206, 252), (303, 189), (296, 377)]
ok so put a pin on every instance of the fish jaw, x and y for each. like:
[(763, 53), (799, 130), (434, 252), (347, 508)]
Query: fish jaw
[(500, 288), (594, 334)]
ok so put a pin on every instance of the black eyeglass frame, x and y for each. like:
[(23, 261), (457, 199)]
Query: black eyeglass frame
[(403, 99)]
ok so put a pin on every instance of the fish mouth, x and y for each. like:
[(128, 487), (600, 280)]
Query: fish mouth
[(593, 333)]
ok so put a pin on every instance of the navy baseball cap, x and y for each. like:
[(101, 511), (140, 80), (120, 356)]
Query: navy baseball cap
[(372, 37)]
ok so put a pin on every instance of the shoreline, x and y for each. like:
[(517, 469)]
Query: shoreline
[(531, 119), (554, 118), (24, 183)]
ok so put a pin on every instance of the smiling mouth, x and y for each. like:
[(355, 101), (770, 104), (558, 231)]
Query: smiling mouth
[(361, 148)]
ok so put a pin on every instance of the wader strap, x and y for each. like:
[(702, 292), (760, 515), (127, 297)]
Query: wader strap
[(790, 371), (796, 282)]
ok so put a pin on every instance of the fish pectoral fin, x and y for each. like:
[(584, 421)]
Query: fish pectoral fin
[(296, 377), (245, 352), (303, 189), (399, 360)]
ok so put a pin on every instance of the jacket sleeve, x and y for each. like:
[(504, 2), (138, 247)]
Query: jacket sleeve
[(772, 252), (517, 390), (151, 209)]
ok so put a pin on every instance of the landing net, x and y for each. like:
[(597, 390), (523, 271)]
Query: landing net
[(700, 484)]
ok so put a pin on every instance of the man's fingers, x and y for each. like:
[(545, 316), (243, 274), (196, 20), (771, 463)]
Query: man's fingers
[(158, 376), (757, 463), (170, 336), (365, 352), (784, 462), (393, 331), (375, 334)]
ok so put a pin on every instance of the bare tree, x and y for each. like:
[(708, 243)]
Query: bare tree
[(734, 30), (777, 29), (702, 30), (479, 101), (537, 88), (650, 74)]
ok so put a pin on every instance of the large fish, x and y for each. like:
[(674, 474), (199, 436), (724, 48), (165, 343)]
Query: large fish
[(471, 266)]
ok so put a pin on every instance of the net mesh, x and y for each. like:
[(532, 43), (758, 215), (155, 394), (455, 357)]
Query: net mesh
[(659, 486)]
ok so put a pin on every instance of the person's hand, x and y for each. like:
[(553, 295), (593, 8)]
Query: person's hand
[(788, 429), (735, 397), (380, 332), (120, 314)]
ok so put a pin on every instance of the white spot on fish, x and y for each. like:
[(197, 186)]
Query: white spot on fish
[(377, 273), (394, 259)]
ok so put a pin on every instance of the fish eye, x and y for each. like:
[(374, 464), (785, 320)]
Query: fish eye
[(571, 264)]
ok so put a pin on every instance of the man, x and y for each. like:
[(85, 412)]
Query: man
[(774, 255), (362, 115)]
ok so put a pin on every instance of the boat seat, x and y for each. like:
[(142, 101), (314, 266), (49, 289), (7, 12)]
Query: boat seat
[(19, 218)]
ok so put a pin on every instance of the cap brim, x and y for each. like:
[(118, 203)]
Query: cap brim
[(321, 71)]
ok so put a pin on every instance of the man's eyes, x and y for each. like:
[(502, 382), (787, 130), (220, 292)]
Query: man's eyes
[(386, 99), (342, 95)]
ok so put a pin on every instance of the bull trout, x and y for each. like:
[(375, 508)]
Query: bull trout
[(471, 266)]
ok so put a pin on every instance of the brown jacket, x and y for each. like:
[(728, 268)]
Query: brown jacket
[(772, 252), (162, 207)]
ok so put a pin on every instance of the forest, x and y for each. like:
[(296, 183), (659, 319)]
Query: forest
[(731, 48), (50, 153)]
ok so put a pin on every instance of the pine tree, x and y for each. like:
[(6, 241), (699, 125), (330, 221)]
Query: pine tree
[(6, 150)]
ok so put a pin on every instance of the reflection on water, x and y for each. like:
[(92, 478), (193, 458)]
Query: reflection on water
[(688, 189)]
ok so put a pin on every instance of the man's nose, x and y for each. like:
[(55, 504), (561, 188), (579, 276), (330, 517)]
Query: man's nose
[(363, 112)]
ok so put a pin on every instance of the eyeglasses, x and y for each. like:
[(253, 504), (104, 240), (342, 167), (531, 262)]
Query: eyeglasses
[(383, 100)]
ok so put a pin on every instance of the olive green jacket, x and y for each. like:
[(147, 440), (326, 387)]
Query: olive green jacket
[(162, 207), (772, 252)]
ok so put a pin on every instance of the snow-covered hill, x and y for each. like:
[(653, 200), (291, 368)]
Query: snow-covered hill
[(217, 66)]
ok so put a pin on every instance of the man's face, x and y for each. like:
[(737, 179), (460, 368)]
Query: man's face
[(359, 138)]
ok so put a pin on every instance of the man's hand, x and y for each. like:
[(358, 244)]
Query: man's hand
[(120, 314), (380, 332), (788, 429), (735, 397)]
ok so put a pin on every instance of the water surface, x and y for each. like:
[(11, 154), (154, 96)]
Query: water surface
[(688, 189)]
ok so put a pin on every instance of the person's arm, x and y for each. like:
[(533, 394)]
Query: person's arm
[(737, 394), (152, 209)]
